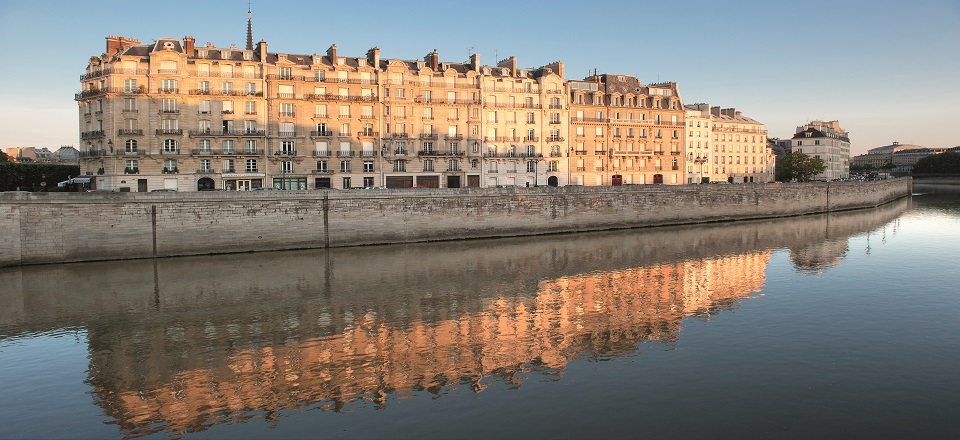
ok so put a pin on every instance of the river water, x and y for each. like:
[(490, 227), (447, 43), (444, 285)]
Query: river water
[(829, 326)]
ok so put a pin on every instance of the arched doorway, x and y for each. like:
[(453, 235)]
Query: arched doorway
[(658, 179), (206, 184), (616, 180), (552, 181)]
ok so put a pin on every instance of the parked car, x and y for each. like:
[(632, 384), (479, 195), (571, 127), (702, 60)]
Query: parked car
[(163, 190)]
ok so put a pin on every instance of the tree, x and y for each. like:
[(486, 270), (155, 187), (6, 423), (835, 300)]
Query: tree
[(3, 157), (947, 162), (800, 167)]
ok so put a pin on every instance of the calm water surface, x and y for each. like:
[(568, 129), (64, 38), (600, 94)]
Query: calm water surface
[(835, 326)]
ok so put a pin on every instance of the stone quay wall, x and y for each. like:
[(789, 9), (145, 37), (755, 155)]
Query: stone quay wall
[(43, 228)]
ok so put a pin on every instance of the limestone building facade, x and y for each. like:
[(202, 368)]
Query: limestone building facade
[(827, 141)]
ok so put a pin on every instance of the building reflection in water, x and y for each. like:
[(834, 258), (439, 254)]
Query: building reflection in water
[(183, 344)]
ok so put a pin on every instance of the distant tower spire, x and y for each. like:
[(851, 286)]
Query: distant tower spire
[(249, 28)]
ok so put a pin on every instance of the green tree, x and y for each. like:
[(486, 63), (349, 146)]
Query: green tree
[(800, 167), (947, 162), (3, 157)]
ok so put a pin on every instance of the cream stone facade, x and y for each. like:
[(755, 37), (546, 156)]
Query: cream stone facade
[(828, 142), (697, 139), (740, 150), (623, 132)]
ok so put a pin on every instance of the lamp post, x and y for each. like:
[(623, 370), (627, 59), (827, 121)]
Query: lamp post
[(700, 161), (569, 153)]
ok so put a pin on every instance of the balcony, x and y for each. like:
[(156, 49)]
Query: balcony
[(286, 96), (345, 153), (367, 133), (170, 170), (368, 153), (169, 111), (454, 137), (556, 154), (326, 133), (170, 152), (168, 91), (674, 153), (91, 134), (93, 153), (133, 152), (199, 92), (287, 133), (429, 136), (131, 171), (440, 153), (658, 153), (323, 153), (130, 132), (322, 171), (399, 136), (170, 131), (206, 171), (554, 139)]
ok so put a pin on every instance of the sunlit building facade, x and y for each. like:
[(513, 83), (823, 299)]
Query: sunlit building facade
[(827, 142)]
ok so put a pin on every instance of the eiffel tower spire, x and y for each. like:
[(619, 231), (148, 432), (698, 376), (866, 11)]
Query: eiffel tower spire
[(249, 28)]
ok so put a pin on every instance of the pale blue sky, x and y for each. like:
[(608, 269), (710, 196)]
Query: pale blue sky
[(888, 70)]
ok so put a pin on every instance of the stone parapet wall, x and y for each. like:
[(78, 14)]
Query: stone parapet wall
[(40, 228)]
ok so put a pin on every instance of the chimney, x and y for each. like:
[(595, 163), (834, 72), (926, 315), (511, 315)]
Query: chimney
[(262, 50), (433, 60), (373, 57), (557, 67), (475, 62), (113, 44), (188, 43), (332, 54), (715, 111)]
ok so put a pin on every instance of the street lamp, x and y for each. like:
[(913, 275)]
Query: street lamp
[(569, 152), (700, 161)]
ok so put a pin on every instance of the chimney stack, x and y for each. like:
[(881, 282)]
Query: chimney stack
[(262, 49), (433, 60), (188, 43), (475, 62), (373, 57), (332, 54)]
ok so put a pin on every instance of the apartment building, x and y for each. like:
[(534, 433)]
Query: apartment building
[(740, 150), (623, 132), (697, 139), (828, 142)]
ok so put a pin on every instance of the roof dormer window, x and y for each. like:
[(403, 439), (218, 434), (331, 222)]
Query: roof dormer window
[(341, 61), (361, 62)]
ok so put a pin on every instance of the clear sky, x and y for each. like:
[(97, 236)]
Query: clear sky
[(887, 70)]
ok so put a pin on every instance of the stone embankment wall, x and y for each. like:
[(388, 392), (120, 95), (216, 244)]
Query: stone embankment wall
[(40, 228)]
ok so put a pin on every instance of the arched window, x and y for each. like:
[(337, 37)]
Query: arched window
[(130, 146), (170, 146)]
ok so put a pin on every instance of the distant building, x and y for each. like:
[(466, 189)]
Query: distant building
[(780, 149), (67, 153), (827, 142), (902, 156), (21, 154)]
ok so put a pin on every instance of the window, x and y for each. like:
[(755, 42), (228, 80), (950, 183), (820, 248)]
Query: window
[(226, 107), (170, 166), (553, 166), (226, 88), (400, 165), (130, 146), (322, 166), (250, 89), (286, 166), (130, 86), (344, 166), (204, 145), (251, 166), (428, 147), (346, 183), (531, 166), (205, 166), (203, 87), (129, 105), (344, 111), (203, 126), (131, 167), (170, 146), (227, 145), (453, 165), (228, 166), (168, 106), (288, 147), (368, 166), (204, 107), (250, 127), (367, 182), (250, 107), (286, 73), (428, 165), (286, 109)]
